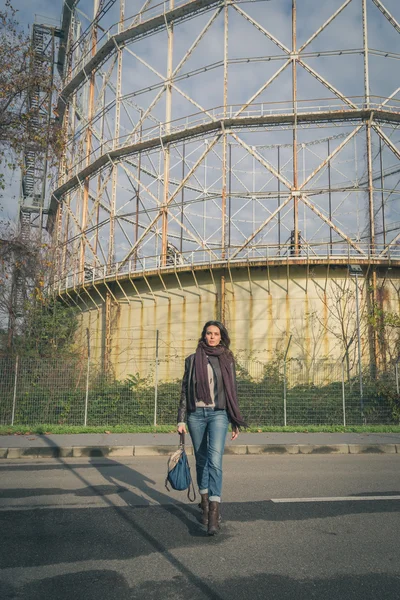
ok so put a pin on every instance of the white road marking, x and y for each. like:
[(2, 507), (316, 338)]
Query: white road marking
[(96, 505), (334, 499)]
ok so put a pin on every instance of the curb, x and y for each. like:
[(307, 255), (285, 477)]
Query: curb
[(125, 451)]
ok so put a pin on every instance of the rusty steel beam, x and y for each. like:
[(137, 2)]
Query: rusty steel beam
[(219, 126), (136, 32)]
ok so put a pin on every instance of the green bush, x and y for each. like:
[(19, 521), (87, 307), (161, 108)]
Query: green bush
[(56, 394)]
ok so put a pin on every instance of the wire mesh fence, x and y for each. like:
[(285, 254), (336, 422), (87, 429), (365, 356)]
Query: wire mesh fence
[(77, 392)]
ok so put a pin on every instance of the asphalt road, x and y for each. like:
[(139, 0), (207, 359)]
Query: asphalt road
[(294, 527)]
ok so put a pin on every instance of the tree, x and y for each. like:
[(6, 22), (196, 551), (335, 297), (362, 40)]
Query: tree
[(308, 337), (15, 259), (340, 306), (36, 322), (27, 128), (23, 123), (386, 325)]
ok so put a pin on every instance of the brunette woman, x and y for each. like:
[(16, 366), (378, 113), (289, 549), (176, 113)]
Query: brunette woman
[(208, 403)]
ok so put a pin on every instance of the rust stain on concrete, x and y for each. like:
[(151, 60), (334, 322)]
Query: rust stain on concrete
[(307, 342), (287, 314), (232, 320), (270, 326), (168, 333), (250, 321), (116, 330), (325, 317), (184, 308), (199, 316), (141, 334)]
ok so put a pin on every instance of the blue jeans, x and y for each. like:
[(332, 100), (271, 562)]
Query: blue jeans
[(208, 429)]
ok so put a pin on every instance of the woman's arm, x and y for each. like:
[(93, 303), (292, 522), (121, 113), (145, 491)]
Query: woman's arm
[(182, 409)]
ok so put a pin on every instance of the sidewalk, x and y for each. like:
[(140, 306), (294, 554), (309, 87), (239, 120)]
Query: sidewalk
[(161, 444)]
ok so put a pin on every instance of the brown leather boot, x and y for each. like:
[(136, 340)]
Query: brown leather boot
[(204, 509), (213, 518)]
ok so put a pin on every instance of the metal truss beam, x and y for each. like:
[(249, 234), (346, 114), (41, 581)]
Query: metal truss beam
[(387, 141), (312, 207), (168, 201), (387, 14), (137, 31), (221, 126), (152, 175), (259, 229), (324, 26)]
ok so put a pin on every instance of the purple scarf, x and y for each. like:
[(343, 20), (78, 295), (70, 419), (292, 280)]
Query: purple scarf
[(203, 390)]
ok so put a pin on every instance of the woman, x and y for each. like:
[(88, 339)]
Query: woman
[(208, 403)]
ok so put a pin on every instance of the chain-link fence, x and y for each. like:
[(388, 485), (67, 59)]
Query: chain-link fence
[(76, 392)]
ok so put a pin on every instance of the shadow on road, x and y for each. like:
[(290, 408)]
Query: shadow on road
[(110, 585), (146, 522), (124, 531)]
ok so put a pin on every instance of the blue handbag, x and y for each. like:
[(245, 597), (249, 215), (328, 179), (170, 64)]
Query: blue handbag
[(178, 474)]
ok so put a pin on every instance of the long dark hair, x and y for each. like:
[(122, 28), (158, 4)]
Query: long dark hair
[(225, 339)]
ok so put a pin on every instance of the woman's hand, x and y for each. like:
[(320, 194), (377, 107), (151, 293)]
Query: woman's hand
[(182, 428), (235, 433)]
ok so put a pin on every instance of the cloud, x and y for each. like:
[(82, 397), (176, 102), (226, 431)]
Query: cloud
[(245, 76)]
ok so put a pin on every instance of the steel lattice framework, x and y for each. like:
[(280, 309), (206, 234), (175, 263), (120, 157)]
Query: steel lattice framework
[(34, 182), (213, 131)]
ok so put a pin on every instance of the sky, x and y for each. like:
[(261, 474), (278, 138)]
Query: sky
[(247, 41), (29, 11)]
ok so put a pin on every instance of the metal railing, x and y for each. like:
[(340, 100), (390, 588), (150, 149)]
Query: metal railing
[(134, 20), (321, 252), (76, 392), (234, 111)]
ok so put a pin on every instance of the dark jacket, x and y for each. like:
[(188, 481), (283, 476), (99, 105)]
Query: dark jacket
[(187, 402)]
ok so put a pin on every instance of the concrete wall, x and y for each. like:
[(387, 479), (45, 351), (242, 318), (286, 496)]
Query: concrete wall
[(262, 308)]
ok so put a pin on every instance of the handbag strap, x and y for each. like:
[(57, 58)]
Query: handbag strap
[(191, 485), (190, 488)]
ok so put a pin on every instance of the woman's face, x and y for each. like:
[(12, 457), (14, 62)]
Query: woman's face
[(213, 335)]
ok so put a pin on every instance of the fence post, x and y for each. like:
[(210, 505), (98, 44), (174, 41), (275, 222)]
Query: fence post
[(284, 381), (284, 393), (396, 370), (156, 381), (15, 390), (343, 396), (87, 377)]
